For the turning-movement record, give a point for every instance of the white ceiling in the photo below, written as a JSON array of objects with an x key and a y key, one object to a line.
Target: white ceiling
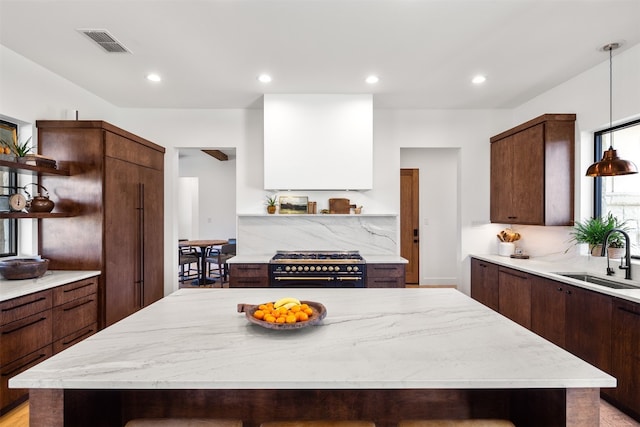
[{"x": 209, "y": 52}]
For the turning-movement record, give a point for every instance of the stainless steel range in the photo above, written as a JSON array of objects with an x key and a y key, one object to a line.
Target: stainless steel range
[{"x": 317, "y": 269}]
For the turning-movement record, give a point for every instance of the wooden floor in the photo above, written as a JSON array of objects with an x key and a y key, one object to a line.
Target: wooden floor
[{"x": 609, "y": 417}]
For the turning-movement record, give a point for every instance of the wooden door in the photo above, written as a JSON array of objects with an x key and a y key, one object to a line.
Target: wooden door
[
  {"x": 122, "y": 240},
  {"x": 152, "y": 256},
  {"x": 515, "y": 296},
  {"x": 501, "y": 181},
  {"x": 548, "y": 310},
  {"x": 484, "y": 283},
  {"x": 588, "y": 332},
  {"x": 625, "y": 354},
  {"x": 409, "y": 223},
  {"x": 527, "y": 191}
]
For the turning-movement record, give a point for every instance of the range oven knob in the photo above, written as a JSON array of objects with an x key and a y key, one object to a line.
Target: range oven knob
[
  {"x": 355, "y": 268},
  {"x": 330, "y": 268},
  {"x": 287, "y": 268},
  {"x": 349, "y": 268},
  {"x": 336, "y": 268},
  {"x": 299, "y": 268},
  {"x": 312, "y": 268},
  {"x": 324, "y": 268},
  {"x": 306, "y": 268}
]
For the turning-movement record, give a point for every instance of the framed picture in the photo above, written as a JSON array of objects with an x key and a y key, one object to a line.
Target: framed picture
[
  {"x": 293, "y": 204},
  {"x": 8, "y": 181}
]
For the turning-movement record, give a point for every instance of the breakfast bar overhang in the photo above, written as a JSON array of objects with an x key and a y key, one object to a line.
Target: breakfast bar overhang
[{"x": 380, "y": 354}]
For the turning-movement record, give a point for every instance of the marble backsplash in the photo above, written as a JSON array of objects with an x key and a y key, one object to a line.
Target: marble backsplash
[{"x": 369, "y": 234}]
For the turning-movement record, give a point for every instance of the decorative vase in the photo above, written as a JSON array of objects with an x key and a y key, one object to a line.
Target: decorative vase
[
  {"x": 506, "y": 248},
  {"x": 616, "y": 253},
  {"x": 271, "y": 209},
  {"x": 596, "y": 250}
]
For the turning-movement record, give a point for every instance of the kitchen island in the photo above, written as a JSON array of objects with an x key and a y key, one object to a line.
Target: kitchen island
[{"x": 380, "y": 354}]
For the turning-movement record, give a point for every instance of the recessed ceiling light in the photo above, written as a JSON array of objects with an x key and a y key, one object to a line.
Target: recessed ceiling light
[
  {"x": 478, "y": 79},
  {"x": 154, "y": 77},
  {"x": 372, "y": 79},
  {"x": 264, "y": 78}
]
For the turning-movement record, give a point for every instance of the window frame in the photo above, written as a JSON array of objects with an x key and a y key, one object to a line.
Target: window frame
[{"x": 597, "y": 156}]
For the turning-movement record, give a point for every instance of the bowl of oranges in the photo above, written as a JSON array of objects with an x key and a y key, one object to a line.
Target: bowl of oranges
[{"x": 286, "y": 313}]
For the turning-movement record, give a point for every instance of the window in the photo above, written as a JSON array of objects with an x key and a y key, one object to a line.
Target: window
[
  {"x": 8, "y": 185},
  {"x": 620, "y": 195}
]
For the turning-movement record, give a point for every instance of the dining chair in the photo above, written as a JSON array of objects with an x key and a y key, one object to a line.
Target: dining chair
[
  {"x": 216, "y": 259},
  {"x": 187, "y": 257}
]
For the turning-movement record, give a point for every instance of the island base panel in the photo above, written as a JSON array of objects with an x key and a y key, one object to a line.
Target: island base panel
[{"x": 106, "y": 408}]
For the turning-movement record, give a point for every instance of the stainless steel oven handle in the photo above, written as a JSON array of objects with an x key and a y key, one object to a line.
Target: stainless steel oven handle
[{"x": 326, "y": 279}]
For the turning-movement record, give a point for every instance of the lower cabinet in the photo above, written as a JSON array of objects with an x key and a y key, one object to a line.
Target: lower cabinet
[
  {"x": 484, "y": 283},
  {"x": 248, "y": 275},
  {"x": 385, "y": 276},
  {"x": 35, "y": 326},
  {"x": 514, "y": 295},
  {"x": 625, "y": 355}
]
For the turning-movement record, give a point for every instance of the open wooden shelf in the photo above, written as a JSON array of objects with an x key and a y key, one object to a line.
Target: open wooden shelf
[
  {"x": 8, "y": 166},
  {"x": 36, "y": 215}
]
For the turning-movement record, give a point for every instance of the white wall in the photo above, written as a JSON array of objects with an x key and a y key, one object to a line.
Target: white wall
[
  {"x": 188, "y": 214},
  {"x": 30, "y": 92}
]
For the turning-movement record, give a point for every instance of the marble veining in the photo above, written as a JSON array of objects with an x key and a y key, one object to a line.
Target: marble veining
[
  {"x": 371, "y": 338},
  {"x": 370, "y": 234}
]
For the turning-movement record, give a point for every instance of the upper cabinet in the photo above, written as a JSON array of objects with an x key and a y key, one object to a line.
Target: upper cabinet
[
  {"x": 532, "y": 172},
  {"x": 318, "y": 142}
]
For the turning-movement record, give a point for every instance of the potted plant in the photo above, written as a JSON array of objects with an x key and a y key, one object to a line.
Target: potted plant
[
  {"x": 272, "y": 202},
  {"x": 21, "y": 149},
  {"x": 593, "y": 231}
]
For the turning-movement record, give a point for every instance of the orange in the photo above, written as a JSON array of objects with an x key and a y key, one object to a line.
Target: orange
[
  {"x": 291, "y": 318},
  {"x": 280, "y": 320},
  {"x": 303, "y": 316},
  {"x": 308, "y": 311},
  {"x": 269, "y": 318},
  {"x": 295, "y": 308},
  {"x": 258, "y": 314}
]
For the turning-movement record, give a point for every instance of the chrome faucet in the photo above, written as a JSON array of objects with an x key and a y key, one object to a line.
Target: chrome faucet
[{"x": 626, "y": 265}]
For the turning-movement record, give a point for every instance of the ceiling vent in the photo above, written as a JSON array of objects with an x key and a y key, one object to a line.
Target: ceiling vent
[{"x": 105, "y": 40}]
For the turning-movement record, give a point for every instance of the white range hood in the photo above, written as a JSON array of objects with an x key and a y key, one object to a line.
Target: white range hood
[{"x": 318, "y": 142}]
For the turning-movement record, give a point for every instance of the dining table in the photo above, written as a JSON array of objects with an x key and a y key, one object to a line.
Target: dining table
[{"x": 202, "y": 244}]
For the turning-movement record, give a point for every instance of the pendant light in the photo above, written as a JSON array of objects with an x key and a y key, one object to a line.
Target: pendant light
[{"x": 611, "y": 164}]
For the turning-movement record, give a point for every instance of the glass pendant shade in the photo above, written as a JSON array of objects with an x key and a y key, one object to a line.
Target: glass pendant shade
[{"x": 612, "y": 165}]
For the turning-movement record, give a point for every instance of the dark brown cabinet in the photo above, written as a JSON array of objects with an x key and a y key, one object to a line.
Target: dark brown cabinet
[
  {"x": 514, "y": 295},
  {"x": 484, "y": 283},
  {"x": 116, "y": 190},
  {"x": 248, "y": 275},
  {"x": 532, "y": 168},
  {"x": 37, "y": 325},
  {"x": 385, "y": 276},
  {"x": 548, "y": 310},
  {"x": 625, "y": 355}
]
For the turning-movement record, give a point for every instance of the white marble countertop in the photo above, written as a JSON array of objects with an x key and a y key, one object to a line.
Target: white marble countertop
[
  {"x": 10, "y": 289},
  {"x": 579, "y": 264},
  {"x": 370, "y": 259},
  {"x": 370, "y": 339}
]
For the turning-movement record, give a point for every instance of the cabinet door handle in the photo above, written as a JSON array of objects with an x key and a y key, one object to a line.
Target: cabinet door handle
[
  {"x": 568, "y": 292},
  {"x": 23, "y": 304},
  {"x": 626, "y": 310},
  {"x": 30, "y": 362},
  {"x": 78, "y": 287},
  {"x": 78, "y": 305},
  {"x": 23, "y": 326},
  {"x": 559, "y": 289}
]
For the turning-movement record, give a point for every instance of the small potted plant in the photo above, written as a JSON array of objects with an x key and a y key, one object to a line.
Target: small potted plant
[
  {"x": 593, "y": 231},
  {"x": 272, "y": 202}
]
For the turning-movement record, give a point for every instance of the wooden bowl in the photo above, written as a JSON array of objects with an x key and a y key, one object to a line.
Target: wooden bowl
[
  {"x": 28, "y": 268},
  {"x": 319, "y": 313}
]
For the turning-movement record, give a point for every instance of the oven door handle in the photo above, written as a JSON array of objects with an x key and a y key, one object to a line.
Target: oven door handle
[
  {"x": 345, "y": 279},
  {"x": 326, "y": 279}
]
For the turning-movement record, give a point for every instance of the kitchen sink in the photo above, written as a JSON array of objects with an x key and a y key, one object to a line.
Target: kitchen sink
[{"x": 586, "y": 277}]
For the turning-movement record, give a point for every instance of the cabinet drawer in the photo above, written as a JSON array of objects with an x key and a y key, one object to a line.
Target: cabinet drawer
[
  {"x": 74, "y": 338},
  {"x": 248, "y": 275},
  {"x": 385, "y": 270},
  {"x": 21, "y": 307},
  {"x": 385, "y": 282},
  {"x": 74, "y": 315},
  {"x": 13, "y": 396},
  {"x": 24, "y": 336},
  {"x": 69, "y": 292}
]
